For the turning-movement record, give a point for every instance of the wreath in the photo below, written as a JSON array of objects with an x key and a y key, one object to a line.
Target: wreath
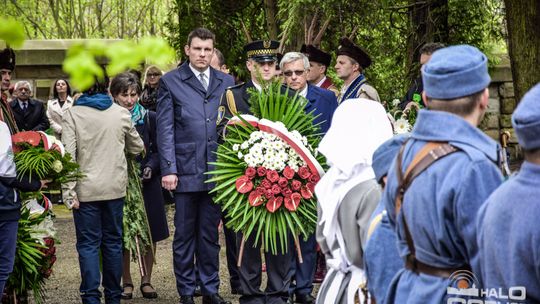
[{"x": 267, "y": 168}]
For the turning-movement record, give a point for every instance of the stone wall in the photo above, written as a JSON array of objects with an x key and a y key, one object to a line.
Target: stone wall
[
  {"x": 40, "y": 63},
  {"x": 502, "y": 103}
]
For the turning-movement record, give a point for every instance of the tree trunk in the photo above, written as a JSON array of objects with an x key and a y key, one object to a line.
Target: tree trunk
[
  {"x": 523, "y": 18},
  {"x": 271, "y": 22}
]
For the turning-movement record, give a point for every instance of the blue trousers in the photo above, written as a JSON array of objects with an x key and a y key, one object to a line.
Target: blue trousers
[
  {"x": 305, "y": 272},
  {"x": 98, "y": 226},
  {"x": 8, "y": 242},
  {"x": 196, "y": 223}
]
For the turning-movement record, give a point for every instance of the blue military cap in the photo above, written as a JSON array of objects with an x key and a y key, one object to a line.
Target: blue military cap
[
  {"x": 454, "y": 72},
  {"x": 385, "y": 154},
  {"x": 526, "y": 119},
  {"x": 262, "y": 50}
]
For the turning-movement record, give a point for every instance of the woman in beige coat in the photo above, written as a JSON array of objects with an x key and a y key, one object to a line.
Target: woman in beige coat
[{"x": 57, "y": 106}]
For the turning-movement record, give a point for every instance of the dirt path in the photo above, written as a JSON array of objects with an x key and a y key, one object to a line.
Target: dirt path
[{"x": 63, "y": 285}]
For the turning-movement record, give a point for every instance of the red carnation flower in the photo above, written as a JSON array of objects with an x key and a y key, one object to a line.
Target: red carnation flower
[
  {"x": 304, "y": 172},
  {"x": 272, "y": 175},
  {"x": 311, "y": 187},
  {"x": 292, "y": 202},
  {"x": 243, "y": 184},
  {"x": 314, "y": 178},
  {"x": 274, "y": 203},
  {"x": 269, "y": 193},
  {"x": 288, "y": 172},
  {"x": 276, "y": 189},
  {"x": 260, "y": 190},
  {"x": 52, "y": 261},
  {"x": 47, "y": 273},
  {"x": 286, "y": 191},
  {"x": 306, "y": 193},
  {"x": 296, "y": 184},
  {"x": 266, "y": 183},
  {"x": 261, "y": 171},
  {"x": 251, "y": 172},
  {"x": 255, "y": 199},
  {"x": 283, "y": 182}
]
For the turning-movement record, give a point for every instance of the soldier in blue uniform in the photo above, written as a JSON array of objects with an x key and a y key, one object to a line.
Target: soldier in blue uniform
[
  {"x": 261, "y": 63},
  {"x": 435, "y": 221},
  {"x": 380, "y": 255},
  {"x": 508, "y": 238},
  {"x": 187, "y": 109}
]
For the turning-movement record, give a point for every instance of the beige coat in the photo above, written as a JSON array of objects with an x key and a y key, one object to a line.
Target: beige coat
[
  {"x": 98, "y": 141},
  {"x": 368, "y": 92},
  {"x": 55, "y": 113}
]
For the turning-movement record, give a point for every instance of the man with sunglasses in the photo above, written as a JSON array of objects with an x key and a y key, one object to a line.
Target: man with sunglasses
[{"x": 322, "y": 103}]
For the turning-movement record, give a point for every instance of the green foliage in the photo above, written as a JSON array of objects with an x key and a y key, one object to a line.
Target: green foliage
[
  {"x": 28, "y": 259},
  {"x": 83, "y": 68},
  {"x": 12, "y": 32},
  {"x": 276, "y": 105},
  {"x": 136, "y": 231}
]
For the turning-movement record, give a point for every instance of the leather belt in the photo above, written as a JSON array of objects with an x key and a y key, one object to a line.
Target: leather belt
[{"x": 416, "y": 266}]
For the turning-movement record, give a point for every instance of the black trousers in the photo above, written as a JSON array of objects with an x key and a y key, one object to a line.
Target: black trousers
[{"x": 278, "y": 270}]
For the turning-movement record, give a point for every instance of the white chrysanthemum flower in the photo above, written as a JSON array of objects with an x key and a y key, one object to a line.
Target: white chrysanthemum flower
[
  {"x": 401, "y": 126},
  {"x": 244, "y": 145},
  {"x": 236, "y": 147},
  {"x": 240, "y": 155},
  {"x": 395, "y": 102}
]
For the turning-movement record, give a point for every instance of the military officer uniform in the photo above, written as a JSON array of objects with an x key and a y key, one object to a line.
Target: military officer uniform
[
  {"x": 236, "y": 100},
  {"x": 358, "y": 88},
  {"x": 508, "y": 239}
]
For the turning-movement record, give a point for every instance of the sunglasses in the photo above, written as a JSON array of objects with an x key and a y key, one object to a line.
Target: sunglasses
[
  {"x": 153, "y": 74},
  {"x": 297, "y": 73}
]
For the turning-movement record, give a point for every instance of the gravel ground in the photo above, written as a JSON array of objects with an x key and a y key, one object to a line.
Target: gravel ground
[{"x": 63, "y": 285}]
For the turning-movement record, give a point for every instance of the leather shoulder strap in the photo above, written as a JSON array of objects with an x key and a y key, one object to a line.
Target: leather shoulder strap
[
  {"x": 429, "y": 154},
  {"x": 231, "y": 103}
]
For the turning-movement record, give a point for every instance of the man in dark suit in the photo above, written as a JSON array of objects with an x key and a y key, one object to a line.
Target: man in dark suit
[
  {"x": 261, "y": 63},
  {"x": 188, "y": 99},
  {"x": 322, "y": 103},
  {"x": 29, "y": 113},
  {"x": 319, "y": 61}
]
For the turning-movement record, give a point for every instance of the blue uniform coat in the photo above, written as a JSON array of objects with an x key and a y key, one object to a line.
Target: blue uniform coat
[
  {"x": 323, "y": 103},
  {"x": 508, "y": 238},
  {"x": 186, "y": 127},
  {"x": 441, "y": 204}
]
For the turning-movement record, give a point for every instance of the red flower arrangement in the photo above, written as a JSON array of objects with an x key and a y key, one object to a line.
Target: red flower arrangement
[{"x": 277, "y": 188}]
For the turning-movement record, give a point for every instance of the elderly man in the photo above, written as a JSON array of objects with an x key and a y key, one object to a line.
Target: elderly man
[
  {"x": 351, "y": 62},
  {"x": 507, "y": 232},
  {"x": 323, "y": 103},
  {"x": 29, "y": 113},
  {"x": 441, "y": 177},
  {"x": 7, "y": 65},
  {"x": 319, "y": 61},
  {"x": 187, "y": 109},
  {"x": 218, "y": 61}
]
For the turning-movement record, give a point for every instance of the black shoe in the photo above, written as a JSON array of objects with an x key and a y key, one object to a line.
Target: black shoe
[
  {"x": 305, "y": 299},
  {"x": 127, "y": 295},
  {"x": 290, "y": 300},
  {"x": 214, "y": 299},
  {"x": 186, "y": 300},
  {"x": 197, "y": 292},
  {"x": 150, "y": 294},
  {"x": 236, "y": 290}
]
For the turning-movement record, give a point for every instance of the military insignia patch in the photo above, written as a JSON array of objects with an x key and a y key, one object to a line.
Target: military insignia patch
[{"x": 220, "y": 114}]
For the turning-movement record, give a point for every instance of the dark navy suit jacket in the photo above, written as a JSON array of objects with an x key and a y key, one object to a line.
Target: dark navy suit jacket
[
  {"x": 186, "y": 125},
  {"x": 323, "y": 102}
]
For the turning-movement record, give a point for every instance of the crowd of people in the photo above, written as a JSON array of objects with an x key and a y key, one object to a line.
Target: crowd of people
[{"x": 400, "y": 218}]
